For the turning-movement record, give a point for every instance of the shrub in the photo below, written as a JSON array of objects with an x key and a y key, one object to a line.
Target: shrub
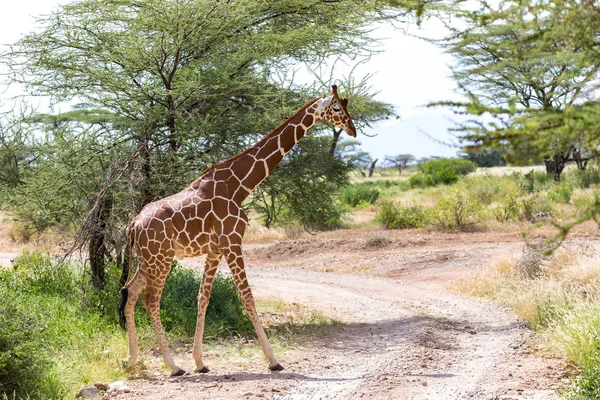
[
  {"x": 508, "y": 208},
  {"x": 455, "y": 165},
  {"x": 457, "y": 211},
  {"x": 359, "y": 194},
  {"x": 25, "y": 363},
  {"x": 391, "y": 216},
  {"x": 419, "y": 180},
  {"x": 179, "y": 305},
  {"x": 441, "y": 171},
  {"x": 54, "y": 335},
  {"x": 586, "y": 178},
  {"x": 561, "y": 193}
]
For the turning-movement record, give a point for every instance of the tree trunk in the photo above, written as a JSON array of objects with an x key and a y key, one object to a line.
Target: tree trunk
[
  {"x": 97, "y": 246},
  {"x": 334, "y": 141},
  {"x": 372, "y": 167}
]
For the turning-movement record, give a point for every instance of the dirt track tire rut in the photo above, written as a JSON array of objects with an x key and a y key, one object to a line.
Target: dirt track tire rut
[{"x": 404, "y": 340}]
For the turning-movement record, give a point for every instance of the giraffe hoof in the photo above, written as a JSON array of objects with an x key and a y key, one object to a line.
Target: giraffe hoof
[
  {"x": 202, "y": 370},
  {"x": 276, "y": 367},
  {"x": 179, "y": 372}
]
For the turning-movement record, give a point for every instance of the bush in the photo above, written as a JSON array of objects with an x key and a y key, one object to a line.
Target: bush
[
  {"x": 561, "y": 193},
  {"x": 419, "y": 180},
  {"x": 508, "y": 208},
  {"x": 25, "y": 363},
  {"x": 55, "y": 336},
  {"x": 225, "y": 314},
  {"x": 586, "y": 178},
  {"x": 457, "y": 211},
  {"x": 442, "y": 171},
  {"x": 458, "y": 166},
  {"x": 359, "y": 194},
  {"x": 391, "y": 216}
]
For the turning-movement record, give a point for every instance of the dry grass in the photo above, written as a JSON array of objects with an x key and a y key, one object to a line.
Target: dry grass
[
  {"x": 507, "y": 170},
  {"x": 16, "y": 237},
  {"x": 562, "y": 304},
  {"x": 257, "y": 233}
]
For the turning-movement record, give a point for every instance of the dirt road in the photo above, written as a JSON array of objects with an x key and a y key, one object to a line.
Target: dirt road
[{"x": 404, "y": 335}]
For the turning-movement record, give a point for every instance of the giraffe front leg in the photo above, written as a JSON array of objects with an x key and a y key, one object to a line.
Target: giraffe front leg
[
  {"x": 210, "y": 269},
  {"x": 236, "y": 264},
  {"x": 151, "y": 302}
]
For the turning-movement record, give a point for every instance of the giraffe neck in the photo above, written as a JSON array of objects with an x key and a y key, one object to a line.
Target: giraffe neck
[{"x": 253, "y": 165}]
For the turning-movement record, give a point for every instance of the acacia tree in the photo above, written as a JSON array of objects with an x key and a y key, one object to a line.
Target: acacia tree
[
  {"x": 176, "y": 85},
  {"x": 400, "y": 161},
  {"x": 515, "y": 63}
]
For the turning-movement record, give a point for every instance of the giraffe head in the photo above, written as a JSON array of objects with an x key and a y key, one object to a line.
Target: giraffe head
[{"x": 334, "y": 110}]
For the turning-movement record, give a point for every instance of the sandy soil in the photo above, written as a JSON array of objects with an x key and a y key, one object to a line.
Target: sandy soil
[{"x": 404, "y": 334}]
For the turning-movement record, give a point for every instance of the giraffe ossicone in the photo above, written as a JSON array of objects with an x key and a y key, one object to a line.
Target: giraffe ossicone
[{"x": 207, "y": 218}]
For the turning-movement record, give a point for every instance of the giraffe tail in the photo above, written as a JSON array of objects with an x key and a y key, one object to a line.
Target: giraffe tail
[{"x": 124, "y": 292}]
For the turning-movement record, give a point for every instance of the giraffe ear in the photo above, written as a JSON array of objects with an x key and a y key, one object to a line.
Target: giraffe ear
[{"x": 344, "y": 102}]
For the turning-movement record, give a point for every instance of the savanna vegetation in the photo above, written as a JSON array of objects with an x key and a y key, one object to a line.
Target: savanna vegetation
[
  {"x": 160, "y": 94},
  {"x": 159, "y": 90}
]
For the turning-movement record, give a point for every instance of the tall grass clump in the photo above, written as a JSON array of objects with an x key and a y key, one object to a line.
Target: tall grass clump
[
  {"x": 561, "y": 193},
  {"x": 359, "y": 194},
  {"x": 562, "y": 303},
  {"x": 57, "y": 334},
  {"x": 457, "y": 211},
  {"x": 395, "y": 216}
]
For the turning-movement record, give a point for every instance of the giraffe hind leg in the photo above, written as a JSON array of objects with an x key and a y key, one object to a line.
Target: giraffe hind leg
[
  {"x": 210, "y": 269},
  {"x": 130, "y": 294},
  {"x": 151, "y": 302}
]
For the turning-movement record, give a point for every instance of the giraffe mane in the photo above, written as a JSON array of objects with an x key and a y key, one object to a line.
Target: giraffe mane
[{"x": 261, "y": 141}]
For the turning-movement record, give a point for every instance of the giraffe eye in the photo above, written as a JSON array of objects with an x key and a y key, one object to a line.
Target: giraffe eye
[{"x": 335, "y": 109}]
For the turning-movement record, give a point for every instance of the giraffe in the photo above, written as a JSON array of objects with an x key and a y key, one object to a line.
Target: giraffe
[{"x": 207, "y": 218}]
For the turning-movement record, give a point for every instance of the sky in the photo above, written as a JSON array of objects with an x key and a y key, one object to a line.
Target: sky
[{"x": 408, "y": 73}]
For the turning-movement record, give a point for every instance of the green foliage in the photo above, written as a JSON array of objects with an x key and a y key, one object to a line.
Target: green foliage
[
  {"x": 508, "y": 209},
  {"x": 458, "y": 211},
  {"x": 25, "y": 365},
  {"x": 587, "y": 385},
  {"x": 394, "y": 216},
  {"x": 484, "y": 158},
  {"x": 301, "y": 190},
  {"x": 586, "y": 178},
  {"x": 561, "y": 193},
  {"x": 442, "y": 171},
  {"x": 359, "y": 193},
  {"x": 54, "y": 335},
  {"x": 225, "y": 314},
  {"x": 41, "y": 320},
  {"x": 419, "y": 180},
  {"x": 458, "y": 166}
]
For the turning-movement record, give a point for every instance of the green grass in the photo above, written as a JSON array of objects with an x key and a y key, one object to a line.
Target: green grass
[
  {"x": 482, "y": 199},
  {"x": 57, "y": 334}
]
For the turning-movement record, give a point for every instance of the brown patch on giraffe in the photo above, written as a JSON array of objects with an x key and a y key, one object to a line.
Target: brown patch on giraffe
[
  {"x": 308, "y": 120},
  {"x": 222, "y": 189},
  {"x": 241, "y": 166},
  {"x": 222, "y": 175},
  {"x": 269, "y": 148},
  {"x": 287, "y": 138}
]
